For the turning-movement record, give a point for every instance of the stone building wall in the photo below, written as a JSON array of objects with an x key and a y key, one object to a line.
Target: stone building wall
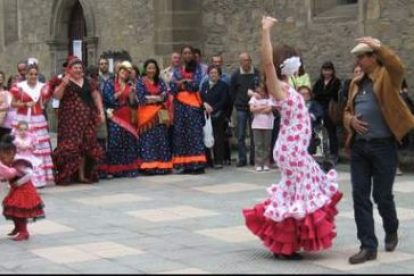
[
  {"x": 234, "y": 26},
  {"x": 33, "y": 31},
  {"x": 126, "y": 24},
  {"x": 394, "y": 25},
  {"x": 154, "y": 28},
  {"x": 320, "y": 29}
]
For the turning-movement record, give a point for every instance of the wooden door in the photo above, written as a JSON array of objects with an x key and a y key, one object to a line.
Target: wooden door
[{"x": 77, "y": 30}]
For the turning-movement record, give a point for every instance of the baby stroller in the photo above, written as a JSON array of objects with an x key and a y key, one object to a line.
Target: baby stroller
[{"x": 320, "y": 139}]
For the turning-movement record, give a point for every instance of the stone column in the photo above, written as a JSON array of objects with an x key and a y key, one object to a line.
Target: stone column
[
  {"x": 177, "y": 23},
  {"x": 2, "y": 27},
  {"x": 163, "y": 26},
  {"x": 92, "y": 49},
  {"x": 58, "y": 54},
  {"x": 373, "y": 9},
  {"x": 187, "y": 23}
]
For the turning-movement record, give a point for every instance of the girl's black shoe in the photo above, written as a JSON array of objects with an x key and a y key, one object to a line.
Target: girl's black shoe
[{"x": 293, "y": 257}]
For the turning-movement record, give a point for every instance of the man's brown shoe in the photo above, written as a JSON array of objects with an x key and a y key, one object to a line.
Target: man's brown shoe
[
  {"x": 363, "y": 256},
  {"x": 391, "y": 242}
]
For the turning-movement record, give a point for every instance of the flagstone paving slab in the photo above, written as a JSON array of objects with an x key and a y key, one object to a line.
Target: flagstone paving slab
[{"x": 183, "y": 224}]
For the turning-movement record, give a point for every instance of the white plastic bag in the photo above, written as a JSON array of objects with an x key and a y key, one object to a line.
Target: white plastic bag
[{"x": 208, "y": 133}]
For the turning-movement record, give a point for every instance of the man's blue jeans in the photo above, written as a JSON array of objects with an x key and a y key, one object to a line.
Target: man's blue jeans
[
  {"x": 244, "y": 118},
  {"x": 373, "y": 167}
]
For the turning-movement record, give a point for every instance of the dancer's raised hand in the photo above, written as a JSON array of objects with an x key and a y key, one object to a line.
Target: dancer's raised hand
[
  {"x": 268, "y": 22},
  {"x": 370, "y": 41}
]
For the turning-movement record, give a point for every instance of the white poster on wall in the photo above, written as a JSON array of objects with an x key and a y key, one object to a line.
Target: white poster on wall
[{"x": 77, "y": 48}]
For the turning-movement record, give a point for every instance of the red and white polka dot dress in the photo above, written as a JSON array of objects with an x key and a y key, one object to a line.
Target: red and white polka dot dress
[{"x": 300, "y": 209}]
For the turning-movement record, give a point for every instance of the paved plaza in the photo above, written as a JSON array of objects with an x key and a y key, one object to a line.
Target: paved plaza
[{"x": 181, "y": 224}]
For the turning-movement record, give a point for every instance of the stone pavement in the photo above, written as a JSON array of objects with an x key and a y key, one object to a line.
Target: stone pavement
[{"x": 182, "y": 224}]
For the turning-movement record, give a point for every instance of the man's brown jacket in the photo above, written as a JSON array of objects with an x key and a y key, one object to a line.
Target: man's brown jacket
[{"x": 387, "y": 81}]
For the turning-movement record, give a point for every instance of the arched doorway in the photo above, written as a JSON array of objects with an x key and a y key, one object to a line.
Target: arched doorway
[
  {"x": 77, "y": 32},
  {"x": 72, "y": 20}
]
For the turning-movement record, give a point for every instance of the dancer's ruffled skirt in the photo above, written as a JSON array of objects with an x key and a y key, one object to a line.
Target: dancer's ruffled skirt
[{"x": 314, "y": 232}]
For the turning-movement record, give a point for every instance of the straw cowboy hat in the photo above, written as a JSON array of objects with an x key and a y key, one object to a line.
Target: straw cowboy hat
[
  {"x": 125, "y": 65},
  {"x": 361, "y": 48}
]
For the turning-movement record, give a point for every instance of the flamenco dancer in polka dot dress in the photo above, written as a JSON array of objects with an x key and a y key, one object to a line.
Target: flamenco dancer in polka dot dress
[{"x": 299, "y": 213}]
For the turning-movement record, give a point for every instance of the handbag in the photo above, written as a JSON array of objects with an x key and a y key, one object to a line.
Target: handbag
[
  {"x": 208, "y": 133},
  {"x": 164, "y": 117}
]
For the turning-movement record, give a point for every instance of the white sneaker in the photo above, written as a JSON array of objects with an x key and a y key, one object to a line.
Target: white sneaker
[
  {"x": 259, "y": 169},
  {"x": 266, "y": 168}
]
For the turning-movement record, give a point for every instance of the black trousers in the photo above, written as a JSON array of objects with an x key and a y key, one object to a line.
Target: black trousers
[
  {"x": 333, "y": 135},
  {"x": 227, "y": 141},
  {"x": 275, "y": 135},
  {"x": 4, "y": 131},
  {"x": 373, "y": 167},
  {"x": 244, "y": 121}
]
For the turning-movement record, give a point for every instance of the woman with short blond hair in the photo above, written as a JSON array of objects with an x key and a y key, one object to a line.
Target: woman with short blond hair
[{"x": 121, "y": 156}]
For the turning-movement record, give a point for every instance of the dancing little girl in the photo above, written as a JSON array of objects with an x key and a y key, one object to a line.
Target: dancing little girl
[{"x": 22, "y": 202}]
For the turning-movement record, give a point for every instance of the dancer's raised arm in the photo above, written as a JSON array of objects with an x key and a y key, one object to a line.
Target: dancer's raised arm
[{"x": 274, "y": 85}]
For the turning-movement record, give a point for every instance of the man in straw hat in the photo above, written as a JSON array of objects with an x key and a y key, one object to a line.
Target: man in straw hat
[{"x": 376, "y": 118}]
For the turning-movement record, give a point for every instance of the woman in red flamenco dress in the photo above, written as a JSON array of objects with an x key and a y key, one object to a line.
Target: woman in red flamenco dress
[
  {"x": 23, "y": 203},
  {"x": 78, "y": 153},
  {"x": 299, "y": 213}
]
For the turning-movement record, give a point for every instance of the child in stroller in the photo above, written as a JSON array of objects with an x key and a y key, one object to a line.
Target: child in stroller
[{"x": 319, "y": 144}]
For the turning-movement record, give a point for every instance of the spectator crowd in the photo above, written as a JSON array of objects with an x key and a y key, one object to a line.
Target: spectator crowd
[{"x": 152, "y": 120}]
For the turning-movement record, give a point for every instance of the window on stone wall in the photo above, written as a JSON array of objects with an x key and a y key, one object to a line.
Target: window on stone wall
[
  {"x": 11, "y": 22},
  {"x": 347, "y": 2},
  {"x": 332, "y": 8}
]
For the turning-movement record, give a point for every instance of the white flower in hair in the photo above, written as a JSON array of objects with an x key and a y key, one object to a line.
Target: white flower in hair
[
  {"x": 290, "y": 66},
  {"x": 110, "y": 113},
  {"x": 32, "y": 61}
]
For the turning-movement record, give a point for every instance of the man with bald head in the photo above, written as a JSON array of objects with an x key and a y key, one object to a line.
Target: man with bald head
[
  {"x": 167, "y": 73},
  {"x": 243, "y": 79}
]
